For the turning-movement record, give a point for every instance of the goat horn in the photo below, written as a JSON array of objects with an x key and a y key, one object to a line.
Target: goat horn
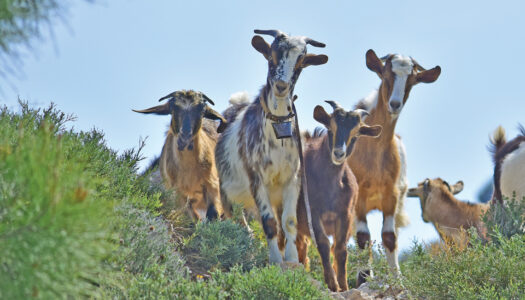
[
  {"x": 385, "y": 57},
  {"x": 334, "y": 104},
  {"x": 273, "y": 32},
  {"x": 417, "y": 65},
  {"x": 172, "y": 95},
  {"x": 314, "y": 42},
  {"x": 206, "y": 98},
  {"x": 362, "y": 113},
  {"x": 294, "y": 98}
]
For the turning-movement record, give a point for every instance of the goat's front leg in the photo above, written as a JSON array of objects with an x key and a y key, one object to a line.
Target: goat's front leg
[
  {"x": 269, "y": 222},
  {"x": 211, "y": 194},
  {"x": 388, "y": 233},
  {"x": 289, "y": 219}
]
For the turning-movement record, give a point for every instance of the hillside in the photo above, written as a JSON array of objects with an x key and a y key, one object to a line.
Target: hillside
[{"x": 78, "y": 221}]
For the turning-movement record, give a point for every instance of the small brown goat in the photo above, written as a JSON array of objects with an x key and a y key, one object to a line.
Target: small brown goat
[
  {"x": 449, "y": 215},
  {"x": 332, "y": 189},
  {"x": 187, "y": 162}
]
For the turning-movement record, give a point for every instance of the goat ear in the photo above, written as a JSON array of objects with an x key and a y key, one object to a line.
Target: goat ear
[
  {"x": 413, "y": 192},
  {"x": 213, "y": 115},
  {"x": 373, "y": 131},
  {"x": 262, "y": 46},
  {"x": 314, "y": 60},
  {"x": 429, "y": 76},
  {"x": 456, "y": 188},
  {"x": 374, "y": 63},
  {"x": 321, "y": 116},
  {"x": 163, "y": 109}
]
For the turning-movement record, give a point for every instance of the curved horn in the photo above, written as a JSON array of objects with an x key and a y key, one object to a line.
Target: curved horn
[
  {"x": 362, "y": 113},
  {"x": 172, "y": 95},
  {"x": 314, "y": 42},
  {"x": 273, "y": 32},
  {"x": 334, "y": 104},
  {"x": 206, "y": 98},
  {"x": 385, "y": 57},
  {"x": 417, "y": 65}
]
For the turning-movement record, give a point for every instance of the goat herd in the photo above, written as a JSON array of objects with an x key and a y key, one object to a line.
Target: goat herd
[{"x": 312, "y": 185}]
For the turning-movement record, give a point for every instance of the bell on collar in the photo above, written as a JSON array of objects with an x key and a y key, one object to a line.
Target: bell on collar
[{"x": 282, "y": 129}]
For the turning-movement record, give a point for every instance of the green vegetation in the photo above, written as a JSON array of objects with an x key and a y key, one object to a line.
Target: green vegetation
[{"x": 77, "y": 221}]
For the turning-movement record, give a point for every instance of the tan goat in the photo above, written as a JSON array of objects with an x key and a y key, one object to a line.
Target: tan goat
[
  {"x": 187, "y": 162},
  {"x": 449, "y": 215},
  {"x": 378, "y": 164}
]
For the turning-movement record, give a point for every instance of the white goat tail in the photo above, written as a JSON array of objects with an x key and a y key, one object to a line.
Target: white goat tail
[{"x": 239, "y": 98}]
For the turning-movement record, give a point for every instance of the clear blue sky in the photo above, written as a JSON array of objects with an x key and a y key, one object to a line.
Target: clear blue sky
[{"x": 118, "y": 55}]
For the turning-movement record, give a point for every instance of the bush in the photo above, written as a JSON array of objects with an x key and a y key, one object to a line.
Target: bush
[
  {"x": 507, "y": 218},
  {"x": 495, "y": 270},
  {"x": 53, "y": 224},
  {"x": 220, "y": 245},
  {"x": 268, "y": 283}
]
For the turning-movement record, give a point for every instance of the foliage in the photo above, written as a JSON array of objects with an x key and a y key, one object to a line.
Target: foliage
[
  {"x": 495, "y": 270},
  {"x": 222, "y": 245},
  {"x": 507, "y": 218},
  {"x": 53, "y": 222}
]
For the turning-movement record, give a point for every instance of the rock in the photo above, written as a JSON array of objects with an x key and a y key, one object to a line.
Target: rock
[{"x": 353, "y": 294}]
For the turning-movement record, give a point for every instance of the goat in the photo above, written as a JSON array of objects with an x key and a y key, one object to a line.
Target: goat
[
  {"x": 448, "y": 215},
  {"x": 509, "y": 165},
  {"x": 257, "y": 155},
  {"x": 187, "y": 162},
  {"x": 332, "y": 189},
  {"x": 377, "y": 163}
]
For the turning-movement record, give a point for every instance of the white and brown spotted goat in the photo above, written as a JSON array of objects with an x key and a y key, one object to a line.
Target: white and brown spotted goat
[
  {"x": 378, "y": 163},
  {"x": 332, "y": 189},
  {"x": 257, "y": 155},
  {"x": 449, "y": 215},
  {"x": 509, "y": 165},
  {"x": 187, "y": 162}
]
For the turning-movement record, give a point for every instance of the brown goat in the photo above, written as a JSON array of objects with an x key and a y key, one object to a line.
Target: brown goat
[
  {"x": 332, "y": 189},
  {"x": 377, "y": 163},
  {"x": 449, "y": 215},
  {"x": 187, "y": 162}
]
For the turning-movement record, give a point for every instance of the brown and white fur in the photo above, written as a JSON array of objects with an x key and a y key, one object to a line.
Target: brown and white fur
[
  {"x": 187, "y": 162},
  {"x": 256, "y": 168},
  {"x": 332, "y": 189},
  {"x": 509, "y": 165},
  {"x": 449, "y": 215},
  {"x": 377, "y": 163}
]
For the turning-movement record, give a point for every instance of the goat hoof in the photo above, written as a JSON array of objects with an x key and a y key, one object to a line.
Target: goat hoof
[{"x": 362, "y": 276}]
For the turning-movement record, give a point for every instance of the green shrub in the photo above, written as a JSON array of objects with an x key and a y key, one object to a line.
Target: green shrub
[
  {"x": 53, "y": 225},
  {"x": 507, "y": 218},
  {"x": 220, "y": 245},
  {"x": 268, "y": 283},
  {"x": 495, "y": 270}
]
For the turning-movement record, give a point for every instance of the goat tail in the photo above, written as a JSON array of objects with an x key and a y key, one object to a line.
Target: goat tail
[
  {"x": 239, "y": 98},
  {"x": 497, "y": 140}
]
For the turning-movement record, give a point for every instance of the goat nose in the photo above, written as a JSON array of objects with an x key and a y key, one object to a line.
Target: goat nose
[
  {"x": 395, "y": 104},
  {"x": 281, "y": 86},
  {"x": 338, "y": 153},
  {"x": 185, "y": 135}
]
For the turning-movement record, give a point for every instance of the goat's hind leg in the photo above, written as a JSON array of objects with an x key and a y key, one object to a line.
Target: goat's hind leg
[{"x": 363, "y": 242}]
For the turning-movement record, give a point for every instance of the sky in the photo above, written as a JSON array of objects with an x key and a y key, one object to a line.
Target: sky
[{"x": 112, "y": 56}]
